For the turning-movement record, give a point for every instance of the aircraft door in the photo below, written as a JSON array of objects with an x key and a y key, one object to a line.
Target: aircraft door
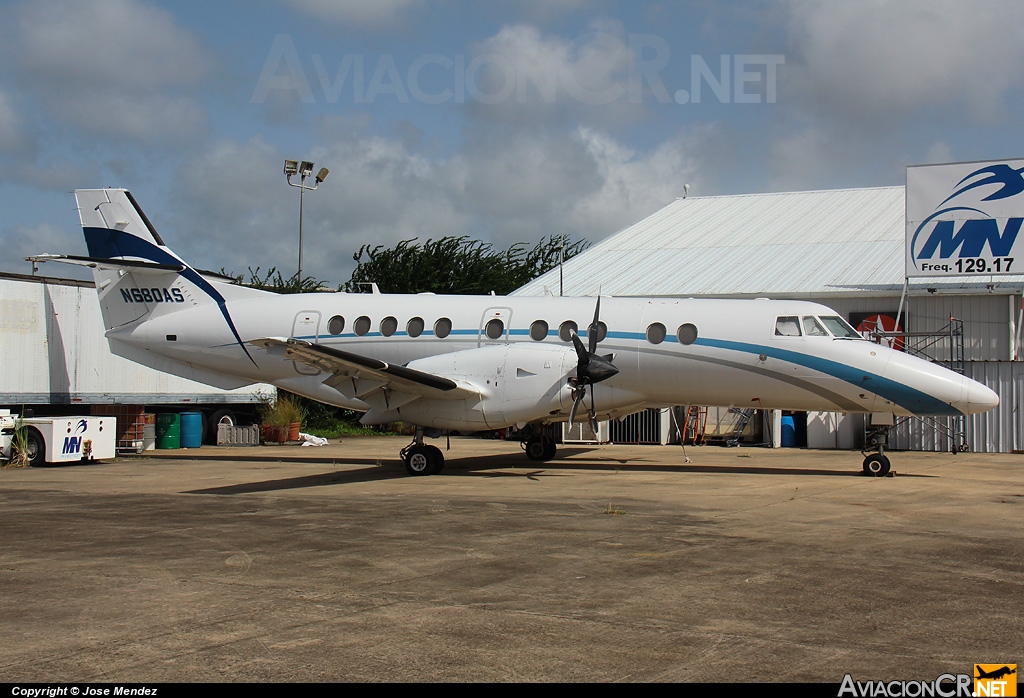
[
  {"x": 494, "y": 326},
  {"x": 306, "y": 327}
]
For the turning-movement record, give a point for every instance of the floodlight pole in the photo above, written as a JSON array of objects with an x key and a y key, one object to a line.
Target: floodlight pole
[
  {"x": 304, "y": 170},
  {"x": 302, "y": 191}
]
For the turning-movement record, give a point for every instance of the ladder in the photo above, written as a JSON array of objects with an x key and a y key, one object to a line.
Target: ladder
[{"x": 741, "y": 424}]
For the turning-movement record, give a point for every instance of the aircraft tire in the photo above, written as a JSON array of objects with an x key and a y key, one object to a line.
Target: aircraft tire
[
  {"x": 876, "y": 465},
  {"x": 421, "y": 460},
  {"x": 438, "y": 459},
  {"x": 537, "y": 450},
  {"x": 549, "y": 450},
  {"x": 35, "y": 448}
]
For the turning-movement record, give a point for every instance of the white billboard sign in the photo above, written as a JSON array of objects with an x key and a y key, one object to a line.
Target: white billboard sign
[{"x": 963, "y": 219}]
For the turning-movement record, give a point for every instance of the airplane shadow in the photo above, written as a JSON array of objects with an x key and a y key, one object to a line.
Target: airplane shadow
[{"x": 493, "y": 466}]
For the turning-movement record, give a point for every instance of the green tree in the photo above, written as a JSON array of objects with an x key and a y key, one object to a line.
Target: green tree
[
  {"x": 456, "y": 265},
  {"x": 274, "y": 281}
]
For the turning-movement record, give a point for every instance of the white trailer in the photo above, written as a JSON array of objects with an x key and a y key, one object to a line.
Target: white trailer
[
  {"x": 58, "y": 439},
  {"x": 55, "y": 361}
]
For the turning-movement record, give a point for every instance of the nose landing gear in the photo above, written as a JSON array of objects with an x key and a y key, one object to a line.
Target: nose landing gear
[
  {"x": 877, "y": 464},
  {"x": 539, "y": 442}
]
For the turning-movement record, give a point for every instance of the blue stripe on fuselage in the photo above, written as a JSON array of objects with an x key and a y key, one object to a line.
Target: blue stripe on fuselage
[
  {"x": 903, "y": 395},
  {"x": 909, "y": 398}
]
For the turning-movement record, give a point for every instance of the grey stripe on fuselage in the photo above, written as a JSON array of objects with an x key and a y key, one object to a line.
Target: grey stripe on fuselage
[{"x": 841, "y": 402}]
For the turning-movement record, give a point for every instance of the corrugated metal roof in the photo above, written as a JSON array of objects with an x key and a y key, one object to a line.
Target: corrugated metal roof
[{"x": 811, "y": 243}]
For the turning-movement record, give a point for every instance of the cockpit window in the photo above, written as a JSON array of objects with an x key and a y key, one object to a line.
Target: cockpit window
[
  {"x": 813, "y": 328},
  {"x": 787, "y": 326},
  {"x": 840, "y": 327}
]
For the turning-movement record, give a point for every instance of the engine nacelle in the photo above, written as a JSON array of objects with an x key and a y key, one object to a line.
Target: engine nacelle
[{"x": 519, "y": 383}]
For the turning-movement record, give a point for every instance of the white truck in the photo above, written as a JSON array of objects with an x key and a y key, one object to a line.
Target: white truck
[
  {"x": 55, "y": 362},
  {"x": 57, "y": 439}
]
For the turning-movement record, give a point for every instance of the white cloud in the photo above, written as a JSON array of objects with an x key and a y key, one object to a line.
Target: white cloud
[
  {"x": 802, "y": 160},
  {"x": 633, "y": 185},
  {"x": 543, "y": 9},
  {"x": 12, "y": 137},
  {"x": 115, "y": 67},
  {"x": 585, "y": 184},
  {"x": 377, "y": 192},
  {"x": 359, "y": 13},
  {"x": 885, "y": 58},
  {"x": 524, "y": 76},
  {"x": 938, "y": 152},
  {"x": 21, "y": 241}
]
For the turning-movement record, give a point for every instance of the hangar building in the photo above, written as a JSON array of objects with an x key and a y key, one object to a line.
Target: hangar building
[{"x": 843, "y": 248}]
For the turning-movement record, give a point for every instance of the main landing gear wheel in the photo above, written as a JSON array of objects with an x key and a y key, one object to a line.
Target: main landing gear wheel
[
  {"x": 540, "y": 449},
  {"x": 876, "y": 465},
  {"x": 423, "y": 460}
]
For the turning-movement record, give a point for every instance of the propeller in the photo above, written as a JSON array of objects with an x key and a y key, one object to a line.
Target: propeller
[{"x": 590, "y": 368}]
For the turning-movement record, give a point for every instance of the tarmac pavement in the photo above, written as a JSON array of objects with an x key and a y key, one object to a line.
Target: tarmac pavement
[{"x": 610, "y": 563}]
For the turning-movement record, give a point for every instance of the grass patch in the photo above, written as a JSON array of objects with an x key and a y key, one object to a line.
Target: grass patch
[{"x": 329, "y": 422}]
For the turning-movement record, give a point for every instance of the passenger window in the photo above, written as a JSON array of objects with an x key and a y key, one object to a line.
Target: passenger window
[
  {"x": 362, "y": 325},
  {"x": 813, "y": 328},
  {"x": 336, "y": 325},
  {"x": 656, "y": 333},
  {"x": 538, "y": 330},
  {"x": 602, "y": 331},
  {"x": 787, "y": 326},
  {"x": 415, "y": 327},
  {"x": 687, "y": 334},
  {"x": 566, "y": 329},
  {"x": 442, "y": 328},
  {"x": 388, "y": 326},
  {"x": 494, "y": 328}
]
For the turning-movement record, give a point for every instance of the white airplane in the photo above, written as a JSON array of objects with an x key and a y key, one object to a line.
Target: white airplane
[{"x": 471, "y": 363}]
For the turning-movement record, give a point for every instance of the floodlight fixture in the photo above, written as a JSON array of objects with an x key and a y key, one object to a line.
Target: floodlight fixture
[{"x": 304, "y": 169}]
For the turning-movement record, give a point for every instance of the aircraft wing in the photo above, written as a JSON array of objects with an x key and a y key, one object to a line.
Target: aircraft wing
[{"x": 362, "y": 377}]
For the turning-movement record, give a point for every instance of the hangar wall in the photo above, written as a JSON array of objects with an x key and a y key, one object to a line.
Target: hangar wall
[
  {"x": 842, "y": 248},
  {"x": 989, "y": 319}
]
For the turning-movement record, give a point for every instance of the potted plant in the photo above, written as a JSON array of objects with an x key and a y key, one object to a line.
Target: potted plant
[{"x": 281, "y": 420}]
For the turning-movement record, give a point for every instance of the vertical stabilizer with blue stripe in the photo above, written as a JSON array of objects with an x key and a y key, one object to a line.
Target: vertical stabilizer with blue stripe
[{"x": 117, "y": 230}]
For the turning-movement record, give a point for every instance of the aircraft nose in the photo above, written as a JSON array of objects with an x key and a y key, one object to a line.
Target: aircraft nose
[{"x": 979, "y": 398}]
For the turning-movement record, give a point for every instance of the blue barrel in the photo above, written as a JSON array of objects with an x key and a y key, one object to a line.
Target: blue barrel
[
  {"x": 191, "y": 429},
  {"x": 788, "y": 432}
]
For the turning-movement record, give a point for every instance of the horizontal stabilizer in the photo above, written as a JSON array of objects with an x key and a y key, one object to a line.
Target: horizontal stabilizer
[{"x": 104, "y": 263}]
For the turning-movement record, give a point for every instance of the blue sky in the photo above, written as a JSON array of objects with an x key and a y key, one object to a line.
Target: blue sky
[{"x": 505, "y": 121}]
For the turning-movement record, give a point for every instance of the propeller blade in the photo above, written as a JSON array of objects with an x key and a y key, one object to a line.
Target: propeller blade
[
  {"x": 581, "y": 351},
  {"x": 581, "y": 393},
  {"x": 593, "y": 413},
  {"x": 590, "y": 368}
]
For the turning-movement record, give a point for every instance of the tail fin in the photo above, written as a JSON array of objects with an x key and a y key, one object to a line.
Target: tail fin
[
  {"x": 116, "y": 228},
  {"x": 137, "y": 276}
]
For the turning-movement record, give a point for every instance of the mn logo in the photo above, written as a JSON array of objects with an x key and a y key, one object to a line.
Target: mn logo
[{"x": 995, "y": 680}]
